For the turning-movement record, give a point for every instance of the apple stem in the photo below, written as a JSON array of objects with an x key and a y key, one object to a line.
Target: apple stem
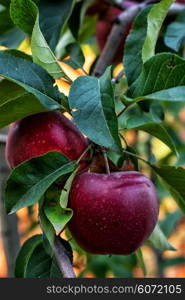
[
  {"x": 63, "y": 260},
  {"x": 106, "y": 160}
]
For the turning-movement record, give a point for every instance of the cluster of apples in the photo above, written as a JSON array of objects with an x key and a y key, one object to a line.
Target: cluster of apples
[{"x": 113, "y": 213}]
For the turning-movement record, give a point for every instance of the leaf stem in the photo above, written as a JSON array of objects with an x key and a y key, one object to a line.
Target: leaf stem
[
  {"x": 85, "y": 151},
  {"x": 137, "y": 156}
]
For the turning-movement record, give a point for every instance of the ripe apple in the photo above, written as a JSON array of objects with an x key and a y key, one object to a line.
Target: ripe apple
[
  {"x": 41, "y": 133},
  {"x": 113, "y": 213}
]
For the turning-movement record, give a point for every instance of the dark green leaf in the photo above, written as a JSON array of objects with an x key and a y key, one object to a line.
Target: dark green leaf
[
  {"x": 5, "y": 21},
  {"x": 75, "y": 19},
  {"x": 175, "y": 34},
  {"x": 31, "y": 77},
  {"x": 24, "y": 255},
  {"x": 174, "y": 178},
  {"x": 16, "y": 103},
  {"x": 23, "y": 14},
  {"x": 76, "y": 56},
  {"x": 162, "y": 78},
  {"x": 41, "y": 265},
  {"x": 133, "y": 47},
  {"x": 33, "y": 262},
  {"x": 155, "y": 20},
  {"x": 153, "y": 129},
  {"x": 53, "y": 17},
  {"x": 92, "y": 101},
  {"x": 30, "y": 180},
  {"x": 12, "y": 38},
  {"x": 5, "y": 2}
]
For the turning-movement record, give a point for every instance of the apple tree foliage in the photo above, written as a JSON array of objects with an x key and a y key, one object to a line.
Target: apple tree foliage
[{"x": 154, "y": 85}]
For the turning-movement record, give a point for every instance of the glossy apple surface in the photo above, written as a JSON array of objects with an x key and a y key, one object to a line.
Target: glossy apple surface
[
  {"x": 113, "y": 214},
  {"x": 41, "y": 133}
]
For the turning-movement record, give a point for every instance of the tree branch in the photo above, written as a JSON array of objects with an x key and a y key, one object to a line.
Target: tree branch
[
  {"x": 113, "y": 42},
  {"x": 63, "y": 260},
  {"x": 117, "y": 32}
]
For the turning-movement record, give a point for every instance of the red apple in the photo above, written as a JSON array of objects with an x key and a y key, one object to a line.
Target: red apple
[
  {"x": 113, "y": 214},
  {"x": 41, "y": 133}
]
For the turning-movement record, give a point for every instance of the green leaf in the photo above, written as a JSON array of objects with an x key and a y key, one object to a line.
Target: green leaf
[
  {"x": 5, "y": 2},
  {"x": 31, "y": 77},
  {"x": 12, "y": 38},
  {"x": 41, "y": 265},
  {"x": 16, "y": 103},
  {"x": 6, "y": 23},
  {"x": 42, "y": 54},
  {"x": 76, "y": 56},
  {"x": 30, "y": 180},
  {"x": 169, "y": 224},
  {"x": 47, "y": 228},
  {"x": 133, "y": 47},
  {"x": 23, "y": 14},
  {"x": 141, "y": 262},
  {"x": 159, "y": 241},
  {"x": 24, "y": 255},
  {"x": 57, "y": 211},
  {"x": 174, "y": 37},
  {"x": 92, "y": 101},
  {"x": 154, "y": 129},
  {"x": 160, "y": 78},
  {"x": 174, "y": 179},
  {"x": 53, "y": 17},
  {"x": 75, "y": 19},
  {"x": 155, "y": 20},
  {"x": 33, "y": 262}
]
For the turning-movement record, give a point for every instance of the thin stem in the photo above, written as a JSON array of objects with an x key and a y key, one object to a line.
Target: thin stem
[
  {"x": 85, "y": 151},
  {"x": 63, "y": 260},
  {"x": 118, "y": 77},
  {"x": 137, "y": 156},
  {"x": 122, "y": 111},
  {"x": 123, "y": 138},
  {"x": 106, "y": 160}
]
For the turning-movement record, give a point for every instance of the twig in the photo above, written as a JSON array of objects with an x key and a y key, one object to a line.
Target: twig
[
  {"x": 118, "y": 30},
  {"x": 117, "y": 77},
  {"x": 63, "y": 260},
  {"x": 137, "y": 156}
]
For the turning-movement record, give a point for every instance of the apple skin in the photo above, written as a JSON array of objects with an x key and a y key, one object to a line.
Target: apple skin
[
  {"x": 112, "y": 214},
  {"x": 40, "y": 133}
]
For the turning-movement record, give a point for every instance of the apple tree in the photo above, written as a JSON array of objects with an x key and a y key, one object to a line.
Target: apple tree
[{"x": 77, "y": 76}]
